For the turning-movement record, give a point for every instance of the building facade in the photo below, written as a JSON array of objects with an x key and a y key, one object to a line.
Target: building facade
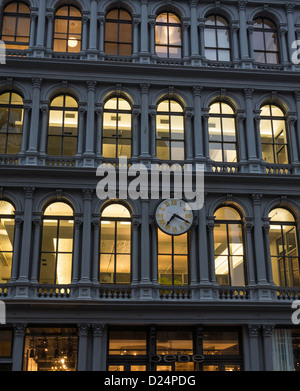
[{"x": 94, "y": 284}]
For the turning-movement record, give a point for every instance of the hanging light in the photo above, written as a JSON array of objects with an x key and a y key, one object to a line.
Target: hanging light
[{"x": 72, "y": 42}]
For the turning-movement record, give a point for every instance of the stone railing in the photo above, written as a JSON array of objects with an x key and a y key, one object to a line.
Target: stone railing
[
  {"x": 288, "y": 294},
  {"x": 232, "y": 294}
]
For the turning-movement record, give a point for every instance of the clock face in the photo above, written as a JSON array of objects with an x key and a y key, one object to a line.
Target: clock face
[{"x": 174, "y": 217}]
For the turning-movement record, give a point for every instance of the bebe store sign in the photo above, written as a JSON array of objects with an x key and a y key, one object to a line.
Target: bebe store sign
[{"x": 182, "y": 358}]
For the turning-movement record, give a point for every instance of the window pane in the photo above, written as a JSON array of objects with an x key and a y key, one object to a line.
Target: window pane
[
  {"x": 5, "y": 343},
  {"x": 70, "y": 146},
  {"x": 165, "y": 269},
  {"x": 228, "y": 129},
  {"x": 177, "y": 150},
  {"x": 220, "y": 239},
  {"x": 220, "y": 343},
  {"x": 125, "y": 50},
  {"x": 180, "y": 270},
  {"x": 210, "y": 38},
  {"x": 162, "y": 150},
  {"x": 123, "y": 269},
  {"x": 221, "y": 270},
  {"x": 64, "y": 269},
  {"x": 107, "y": 237},
  {"x": 223, "y": 39},
  {"x": 13, "y": 144},
  {"x": 271, "y": 42},
  {"x": 214, "y": 126},
  {"x": 125, "y": 33},
  {"x": 124, "y": 148},
  {"x": 124, "y": 237},
  {"x": 58, "y": 209},
  {"x": 172, "y": 342},
  {"x": 47, "y": 268},
  {"x": 174, "y": 35},
  {"x": 107, "y": 268},
  {"x": 237, "y": 271},
  {"x": 65, "y": 240},
  {"x": 230, "y": 154},
  {"x": 164, "y": 243},
  {"x": 227, "y": 213},
  {"x": 109, "y": 148},
  {"x": 54, "y": 146},
  {"x": 211, "y": 54},
  {"x": 215, "y": 152},
  {"x": 111, "y": 32},
  {"x": 5, "y": 266},
  {"x": 161, "y": 35},
  {"x": 49, "y": 242},
  {"x": 258, "y": 40},
  {"x": 127, "y": 343},
  {"x": 116, "y": 210},
  {"x": 223, "y": 55}
]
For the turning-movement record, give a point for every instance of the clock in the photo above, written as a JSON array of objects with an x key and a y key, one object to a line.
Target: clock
[{"x": 174, "y": 217}]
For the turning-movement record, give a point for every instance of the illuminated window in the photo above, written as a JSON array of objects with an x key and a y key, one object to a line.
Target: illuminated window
[
  {"x": 172, "y": 259},
  {"x": 16, "y": 26},
  {"x": 170, "y": 131},
  {"x": 284, "y": 248},
  {"x": 168, "y": 36},
  {"x": 57, "y": 244},
  {"x": 115, "y": 245},
  {"x": 118, "y": 33},
  {"x": 117, "y": 123},
  {"x": 50, "y": 349},
  {"x": 63, "y": 126},
  {"x": 229, "y": 247},
  {"x": 7, "y": 229},
  {"x": 217, "y": 38},
  {"x": 222, "y": 343},
  {"x": 265, "y": 41},
  {"x": 67, "y": 30},
  {"x": 273, "y": 135},
  {"x": 127, "y": 343},
  {"x": 222, "y": 133}
]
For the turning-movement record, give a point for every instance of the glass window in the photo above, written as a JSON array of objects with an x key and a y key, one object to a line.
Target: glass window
[
  {"x": 172, "y": 342},
  {"x": 11, "y": 123},
  {"x": 168, "y": 36},
  {"x": 128, "y": 343},
  {"x": 115, "y": 245},
  {"x": 265, "y": 41},
  {"x": 284, "y": 248},
  {"x": 118, "y": 33},
  {"x": 217, "y": 39},
  {"x": 222, "y": 133},
  {"x": 63, "y": 126},
  {"x": 273, "y": 135},
  {"x": 220, "y": 343},
  {"x": 57, "y": 244},
  {"x": 172, "y": 259},
  {"x": 50, "y": 349},
  {"x": 286, "y": 344},
  {"x": 16, "y": 26},
  {"x": 67, "y": 30},
  {"x": 229, "y": 247},
  {"x": 5, "y": 343},
  {"x": 170, "y": 131},
  {"x": 117, "y": 124},
  {"x": 7, "y": 230}
]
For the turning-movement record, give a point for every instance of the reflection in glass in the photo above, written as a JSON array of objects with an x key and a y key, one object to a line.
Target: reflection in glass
[
  {"x": 229, "y": 248},
  {"x": 265, "y": 42},
  {"x": 220, "y": 343},
  {"x": 172, "y": 342},
  {"x": 63, "y": 126},
  {"x": 57, "y": 244},
  {"x": 127, "y": 343},
  {"x": 118, "y": 33},
  {"x": 273, "y": 135},
  {"x": 16, "y": 26},
  {"x": 170, "y": 131},
  {"x": 117, "y": 123},
  {"x": 168, "y": 36},
  {"x": 217, "y": 39},
  {"x": 7, "y": 229},
  {"x": 67, "y": 30},
  {"x": 284, "y": 248}
]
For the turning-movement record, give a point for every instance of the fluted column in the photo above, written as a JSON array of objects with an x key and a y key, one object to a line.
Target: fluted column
[
  {"x": 35, "y": 115},
  {"x": 18, "y": 346},
  {"x": 50, "y": 24},
  {"x": 17, "y": 246},
  {"x": 283, "y": 41},
  {"x": 242, "y": 138},
  {"x": 290, "y": 8},
  {"x": 266, "y": 232},
  {"x": 235, "y": 41},
  {"x": 188, "y": 133},
  {"x": 83, "y": 332},
  {"x": 97, "y": 346},
  {"x": 243, "y": 30},
  {"x": 202, "y": 37},
  {"x": 92, "y": 51},
  {"x": 102, "y": 34},
  {"x": 194, "y": 33},
  {"x": 253, "y": 332},
  {"x": 152, "y": 22},
  {"x": 136, "y": 23},
  {"x": 153, "y": 115},
  {"x": 85, "y": 20},
  {"x": 37, "y": 221},
  {"x": 186, "y": 40},
  {"x": 205, "y": 116},
  {"x": 258, "y": 240},
  {"x": 251, "y": 140},
  {"x": 145, "y": 120},
  {"x": 77, "y": 248},
  {"x": 257, "y": 120},
  {"x": 33, "y": 22}
]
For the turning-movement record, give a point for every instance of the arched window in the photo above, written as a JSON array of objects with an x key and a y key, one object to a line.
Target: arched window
[
  {"x": 115, "y": 245},
  {"x": 265, "y": 41},
  {"x": 16, "y": 26},
  {"x": 11, "y": 123},
  {"x": 229, "y": 247},
  {"x": 172, "y": 259},
  {"x": 170, "y": 131},
  {"x": 117, "y": 123},
  {"x": 7, "y": 230},
  {"x": 273, "y": 135},
  {"x": 284, "y": 248},
  {"x": 217, "y": 38},
  {"x": 222, "y": 133},
  {"x": 57, "y": 244},
  {"x": 63, "y": 126},
  {"x": 168, "y": 36},
  {"x": 118, "y": 33},
  {"x": 67, "y": 30}
]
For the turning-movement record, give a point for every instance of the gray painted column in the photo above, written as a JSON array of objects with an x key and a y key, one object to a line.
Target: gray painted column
[
  {"x": 83, "y": 330},
  {"x": 33, "y": 20},
  {"x": 246, "y": 352},
  {"x": 136, "y": 22},
  {"x": 86, "y": 236},
  {"x": 90, "y": 126},
  {"x": 291, "y": 119},
  {"x": 250, "y": 261},
  {"x": 96, "y": 249},
  {"x": 257, "y": 120},
  {"x": 44, "y": 127},
  {"x": 85, "y": 20},
  {"x": 188, "y": 133},
  {"x": 50, "y": 23},
  {"x": 135, "y": 130},
  {"x": 193, "y": 257},
  {"x": 258, "y": 240},
  {"x": 144, "y": 29},
  {"x": 18, "y": 346},
  {"x": 35, "y": 115},
  {"x": 290, "y": 7},
  {"x": 37, "y": 221},
  {"x": 250, "y": 38},
  {"x": 153, "y": 114},
  {"x": 17, "y": 246},
  {"x": 154, "y": 252},
  {"x": 267, "y": 331},
  {"x": 253, "y": 332},
  {"x": 135, "y": 260},
  {"x": 203, "y": 258},
  {"x": 198, "y": 131},
  {"x": 194, "y": 31},
  {"x": 77, "y": 248},
  {"x": 40, "y": 41},
  {"x": 297, "y": 99},
  {"x": 205, "y": 116},
  {"x": 26, "y": 236},
  {"x": 202, "y": 37},
  {"x": 145, "y": 232},
  {"x": 145, "y": 120},
  {"x": 266, "y": 229},
  {"x": 152, "y": 22},
  {"x": 101, "y": 33},
  {"x": 97, "y": 346},
  {"x": 25, "y": 130},
  {"x": 81, "y": 129},
  {"x": 235, "y": 42},
  {"x": 99, "y": 113},
  {"x": 284, "y": 49},
  {"x": 251, "y": 142},
  {"x": 241, "y": 133},
  {"x": 243, "y": 30},
  {"x": 186, "y": 41},
  {"x": 211, "y": 249},
  {"x": 93, "y": 25}
]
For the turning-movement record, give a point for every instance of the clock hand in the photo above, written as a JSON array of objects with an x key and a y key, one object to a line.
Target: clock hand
[
  {"x": 179, "y": 217},
  {"x": 173, "y": 216}
]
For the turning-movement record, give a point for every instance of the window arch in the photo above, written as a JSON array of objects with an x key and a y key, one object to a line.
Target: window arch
[
  {"x": 7, "y": 230},
  {"x": 11, "y": 122},
  {"x": 63, "y": 126},
  {"x": 273, "y": 135},
  {"x": 168, "y": 42},
  {"x": 284, "y": 248},
  {"x": 117, "y": 125},
  {"x": 57, "y": 244},
  {"x": 172, "y": 259},
  {"x": 229, "y": 247},
  {"x": 67, "y": 30},
  {"x": 115, "y": 245},
  {"x": 118, "y": 33},
  {"x": 222, "y": 133},
  {"x": 217, "y": 38},
  {"x": 265, "y": 41},
  {"x": 170, "y": 131},
  {"x": 16, "y": 26}
]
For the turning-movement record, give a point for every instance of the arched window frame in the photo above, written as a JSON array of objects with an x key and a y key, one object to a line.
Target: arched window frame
[
  {"x": 217, "y": 52},
  {"x": 9, "y": 134},
  {"x": 5, "y": 252},
  {"x": 124, "y": 47},
  {"x": 263, "y": 55},
  {"x": 69, "y": 38},
  {"x": 168, "y": 46},
  {"x": 12, "y": 41},
  {"x": 117, "y": 221}
]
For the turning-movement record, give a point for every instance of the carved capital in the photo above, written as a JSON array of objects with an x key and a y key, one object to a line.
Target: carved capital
[
  {"x": 267, "y": 330},
  {"x": 242, "y": 5},
  {"x": 145, "y": 88},
  {"x": 91, "y": 84},
  {"x": 290, "y": 7},
  {"x": 248, "y": 92},
  {"x": 297, "y": 95},
  {"x": 193, "y": 3},
  {"x": 37, "y": 82},
  {"x": 253, "y": 330},
  {"x": 87, "y": 194},
  {"x": 19, "y": 329},
  {"x": 197, "y": 90},
  {"x": 256, "y": 199},
  {"x": 29, "y": 192},
  {"x": 83, "y": 330},
  {"x": 98, "y": 330}
]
